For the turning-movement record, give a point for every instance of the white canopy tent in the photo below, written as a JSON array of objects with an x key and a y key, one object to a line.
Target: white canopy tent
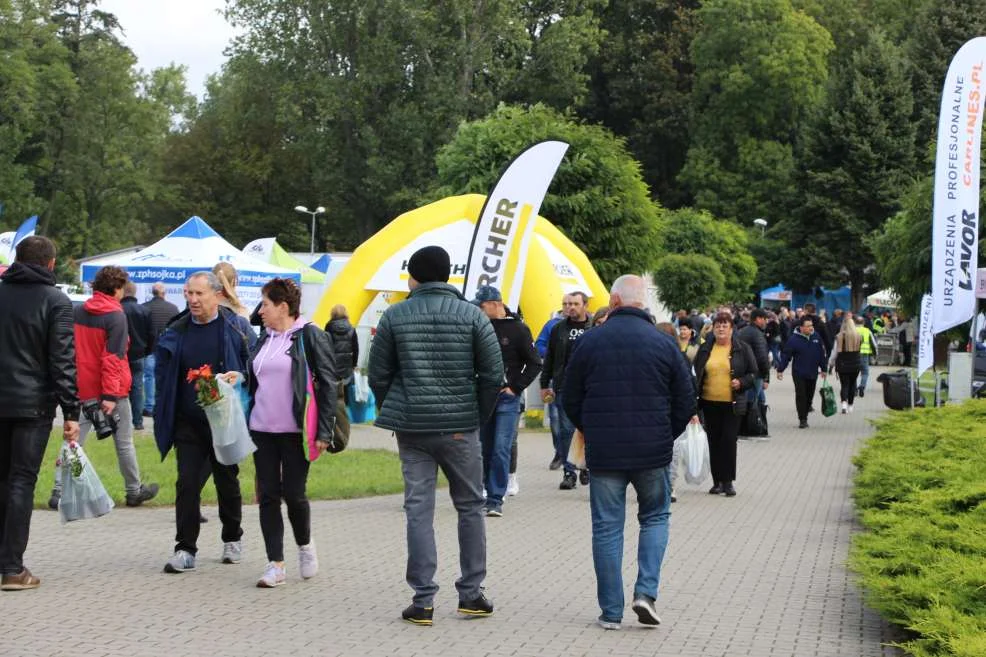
[
  {"x": 883, "y": 299},
  {"x": 190, "y": 248}
]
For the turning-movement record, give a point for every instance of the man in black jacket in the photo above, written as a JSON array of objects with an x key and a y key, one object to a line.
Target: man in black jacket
[
  {"x": 162, "y": 312},
  {"x": 754, "y": 335},
  {"x": 37, "y": 357},
  {"x": 560, "y": 342},
  {"x": 521, "y": 365},
  {"x": 141, "y": 333}
]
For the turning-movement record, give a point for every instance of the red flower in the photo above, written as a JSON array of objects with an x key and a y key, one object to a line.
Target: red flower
[
  {"x": 205, "y": 372},
  {"x": 192, "y": 375}
]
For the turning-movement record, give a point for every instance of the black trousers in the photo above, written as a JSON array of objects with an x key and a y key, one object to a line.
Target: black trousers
[
  {"x": 22, "y": 448},
  {"x": 847, "y": 386},
  {"x": 193, "y": 447},
  {"x": 804, "y": 390},
  {"x": 282, "y": 473},
  {"x": 721, "y": 427},
  {"x": 906, "y": 351}
]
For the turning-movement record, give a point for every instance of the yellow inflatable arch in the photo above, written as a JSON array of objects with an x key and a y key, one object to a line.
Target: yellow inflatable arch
[{"x": 555, "y": 266}]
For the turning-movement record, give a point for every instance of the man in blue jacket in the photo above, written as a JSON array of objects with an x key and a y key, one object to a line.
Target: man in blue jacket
[
  {"x": 629, "y": 390},
  {"x": 808, "y": 353}
]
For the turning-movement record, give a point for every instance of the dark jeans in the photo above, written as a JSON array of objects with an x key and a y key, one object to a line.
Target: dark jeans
[
  {"x": 847, "y": 386},
  {"x": 460, "y": 458},
  {"x": 22, "y": 448},
  {"x": 721, "y": 427},
  {"x": 282, "y": 473},
  {"x": 193, "y": 447},
  {"x": 804, "y": 391},
  {"x": 906, "y": 354},
  {"x": 566, "y": 430},
  {"x": 149, "y": 366},
  {"x": 137, "y": 392}
]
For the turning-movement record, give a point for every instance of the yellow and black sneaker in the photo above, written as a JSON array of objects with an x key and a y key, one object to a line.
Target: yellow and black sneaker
[
  {"x": 418, "y": 615},
  {"x": 478, "y": 608}
]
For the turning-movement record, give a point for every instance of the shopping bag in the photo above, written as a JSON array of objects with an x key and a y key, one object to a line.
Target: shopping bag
[
  {"x": 828, "y": 399},
  {"x": 576, "y": 453},
  {"x": 227, "y": 421},
  {"x": 83, "y": 494},
  {"x": 695, "y": 454},
  {"x": 361, "y": 387}
]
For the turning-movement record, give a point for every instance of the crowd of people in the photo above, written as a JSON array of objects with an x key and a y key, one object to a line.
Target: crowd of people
[{"x": 449, "y": 375}]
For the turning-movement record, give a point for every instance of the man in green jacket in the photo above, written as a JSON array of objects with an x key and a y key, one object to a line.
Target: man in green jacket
[{"x": 435, "y": 368}]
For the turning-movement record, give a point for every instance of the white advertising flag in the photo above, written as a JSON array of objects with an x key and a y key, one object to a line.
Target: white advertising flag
[
  {"x": 498, "y": 253},
  {"x": 955, "y": 232},
  {"x": 926, "y": 337}
]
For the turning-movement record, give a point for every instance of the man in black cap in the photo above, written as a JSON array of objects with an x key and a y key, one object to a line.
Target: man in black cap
[
  {"x": 521, "y": 364},
  {"x": 435, "y": 368}
]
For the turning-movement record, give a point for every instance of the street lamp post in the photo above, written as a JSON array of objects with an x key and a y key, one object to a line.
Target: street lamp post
[
  {"x": 317, "y": 211},
  {"x": 760, "y": 221}
]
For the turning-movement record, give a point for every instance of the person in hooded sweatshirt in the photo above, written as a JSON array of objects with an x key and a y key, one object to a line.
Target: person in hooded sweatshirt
[
  {"x": 345, "y": 346},
  {"x": 290, "y": 352}
]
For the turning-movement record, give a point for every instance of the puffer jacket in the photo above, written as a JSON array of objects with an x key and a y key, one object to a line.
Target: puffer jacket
[
  {"x": 435, "y": 364},
  {"x": 37, "y": 346},
  {"x": 101, "y": 344},
  {"x": 346, "y": 347}
]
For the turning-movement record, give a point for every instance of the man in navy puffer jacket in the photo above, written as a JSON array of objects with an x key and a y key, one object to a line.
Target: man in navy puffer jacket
[{"x": 630, "y": 391}]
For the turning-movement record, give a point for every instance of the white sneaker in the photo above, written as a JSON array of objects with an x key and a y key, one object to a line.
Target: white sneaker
[
  {"x": 232, "y": 552},
  {"x": 307, "y": 560},
  {"x": 273, "y": 576},
  {"x": 513, "y": 485},
  {"x": 850, "y": 408},
  {"x": 844, "y": 407}
]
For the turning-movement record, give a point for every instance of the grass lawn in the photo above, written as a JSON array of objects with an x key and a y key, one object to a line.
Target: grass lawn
[{"x": 352, "y": 473}]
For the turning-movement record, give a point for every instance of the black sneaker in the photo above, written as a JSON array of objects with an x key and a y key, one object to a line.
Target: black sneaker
[
  {"x": 418, "y": 615},
  {"x": 147, "y": 414},
  {"x": 861, "y": 392},
  {"x": 567, "y": 482},
  {"x": 555, "y": 463},
  {"x": 145, "y": 493},
  {"x": 480, "y": 607},
  {"x": 56, "y": 496},
  {"x": 646, "y": 611},
  {"x": 584, "y": 477},
  {"x": 803, "y": 425}
]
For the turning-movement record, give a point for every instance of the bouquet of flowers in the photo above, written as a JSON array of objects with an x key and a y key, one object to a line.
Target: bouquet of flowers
[
  {"x": 206, "y": 386},
  {"x": 70, "y": 457},
  {"x": 83, "y": 494}
]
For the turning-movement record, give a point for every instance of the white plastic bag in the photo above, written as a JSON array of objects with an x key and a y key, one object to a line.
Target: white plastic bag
[
  {"x": 83, "y": 494},
  {"x": 695, "y": 453},
  {"x": 361, "y": 387},
  {"x": 230, "y": 434}
]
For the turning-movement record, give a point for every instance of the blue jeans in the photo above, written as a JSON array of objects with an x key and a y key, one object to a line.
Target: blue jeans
[
  {"x": 497, "y": 437},
  {"x": 607, "y": 500},
  {"x": 864, "y": 370},
  {"x": 565, "y": 432},
  {"x": 149, "y": 363},
  {"x": 555, "y": 423}
]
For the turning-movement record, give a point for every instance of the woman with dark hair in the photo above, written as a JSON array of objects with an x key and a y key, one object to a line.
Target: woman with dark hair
[
  {"x": 292, "y": 367},
  {"x": 724, "y": 369}
]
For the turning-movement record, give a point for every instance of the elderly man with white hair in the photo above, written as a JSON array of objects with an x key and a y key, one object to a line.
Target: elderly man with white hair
[{"x": 630, "y": 391}]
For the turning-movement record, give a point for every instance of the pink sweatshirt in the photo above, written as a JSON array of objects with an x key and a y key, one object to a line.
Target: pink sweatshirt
[{"x": 273, "y": 407}]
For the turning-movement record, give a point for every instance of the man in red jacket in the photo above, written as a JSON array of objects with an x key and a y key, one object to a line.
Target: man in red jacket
[{"x": 101, "y": 342}]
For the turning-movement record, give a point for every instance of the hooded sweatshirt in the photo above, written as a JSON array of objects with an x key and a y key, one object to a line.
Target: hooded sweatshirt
[
  {"x": 273, "y": 404},
  {"x": 101, "y": 341}
]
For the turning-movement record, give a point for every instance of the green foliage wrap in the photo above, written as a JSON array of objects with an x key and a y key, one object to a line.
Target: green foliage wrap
[
  {"x": 597, "y": 197},
  {"x": 921, "y": 495}
]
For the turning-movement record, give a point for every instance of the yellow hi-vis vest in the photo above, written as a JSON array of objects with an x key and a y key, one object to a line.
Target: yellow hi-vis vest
[{"x": 867, "y": 346}]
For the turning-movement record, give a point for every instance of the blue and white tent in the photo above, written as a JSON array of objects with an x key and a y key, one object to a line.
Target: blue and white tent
[{"x": 192, "y": 247}]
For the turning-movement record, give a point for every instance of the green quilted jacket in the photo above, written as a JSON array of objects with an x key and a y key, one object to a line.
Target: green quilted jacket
[{"x": 435, "y": 363}]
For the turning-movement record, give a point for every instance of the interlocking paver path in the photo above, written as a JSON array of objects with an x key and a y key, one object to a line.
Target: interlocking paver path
[{"x": 760, "y": 574}]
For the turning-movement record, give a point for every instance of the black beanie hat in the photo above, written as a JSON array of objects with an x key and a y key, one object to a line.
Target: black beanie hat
[{"x": 430, "y": 264}]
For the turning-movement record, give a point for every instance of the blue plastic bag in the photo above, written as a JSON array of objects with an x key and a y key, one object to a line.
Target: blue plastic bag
[{"x": 83, "y": 494}]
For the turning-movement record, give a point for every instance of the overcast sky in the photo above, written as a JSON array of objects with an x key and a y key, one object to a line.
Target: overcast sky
[{"x": 189, "y": 32}]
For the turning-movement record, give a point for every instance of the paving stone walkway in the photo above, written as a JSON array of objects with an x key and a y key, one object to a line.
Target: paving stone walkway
[{"x": 761, "y": 574}]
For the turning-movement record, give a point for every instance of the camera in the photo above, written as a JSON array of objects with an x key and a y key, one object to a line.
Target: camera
[{"x": 104, "y": 424}]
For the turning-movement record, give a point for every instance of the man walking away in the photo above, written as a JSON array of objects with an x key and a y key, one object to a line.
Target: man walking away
[
  {"x": 435, "y": 368},
  {"x": 560, "y": 341},
  {"x": 866, "y": 350},
  {"x": 345, "y": 347},
  {"x": 162, "y": 312},
  {"x": 754, "y": 334},
  {"x": 631, "y": 393},
  {"x": 141, "y": 342},
  {"x": 806, "y": 350},
  {"x": 37, "y": 357},
  {"x": 205, "y": 334},
  {"x": 101, "y": 342},
  {"x": 522, "y": 365}
]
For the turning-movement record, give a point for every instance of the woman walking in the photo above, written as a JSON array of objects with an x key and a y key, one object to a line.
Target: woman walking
[
  {"x": 724, "y": 369},
  {"x": 685, "y": 335},
  {"x": 292, "y": 369},
  {"x": 847, "y": 360}
]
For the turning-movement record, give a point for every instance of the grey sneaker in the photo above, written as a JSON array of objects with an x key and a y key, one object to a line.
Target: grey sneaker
[
  {"x": 608, "y": 624},
  {"x": 180, "y": 562},
  {"x": 232, "y": 552},
  {"x": 646, "y": 611},
  {"x": 145, "y": 493},
  {"x": 307, "y": 560}
]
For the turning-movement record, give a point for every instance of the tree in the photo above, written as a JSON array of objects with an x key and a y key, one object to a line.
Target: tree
[
  {"x": 693, "y": 232},
  {"x": 859, "y": 160},
  {"x": 597, "y": 196},
  {"x": 688, "y": 281},
  {"x": 760, "y": 71}
]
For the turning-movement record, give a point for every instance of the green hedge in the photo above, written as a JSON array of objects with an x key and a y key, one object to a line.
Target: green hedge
[{"x": 921, "y": 495}]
